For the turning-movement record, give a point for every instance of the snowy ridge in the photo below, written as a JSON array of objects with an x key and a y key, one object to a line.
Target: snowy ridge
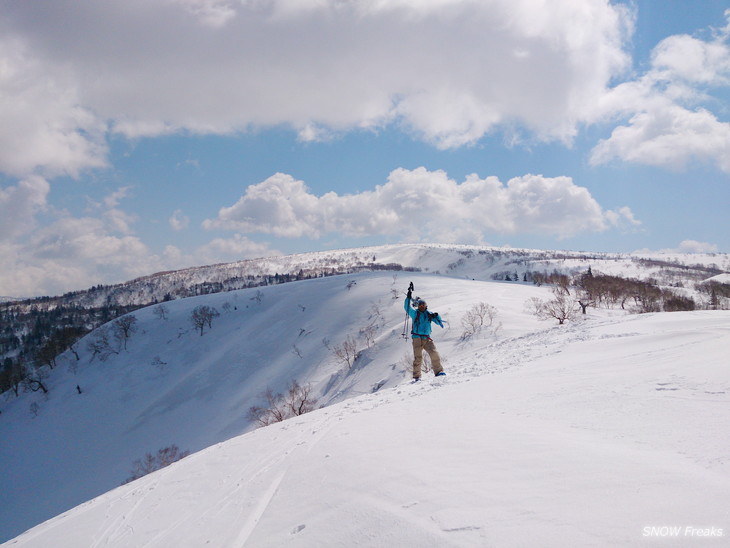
[{"x": 461, "y": 261}]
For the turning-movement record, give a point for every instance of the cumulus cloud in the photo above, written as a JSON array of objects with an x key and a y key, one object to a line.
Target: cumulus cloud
[
  {"x": 670, "y": 120},
  {"x": 669, "y": 137},
  {"x": 76, "y": 253},
  {"x": 43, "y": 125},
  {"x": 84, "y": 250},
  {"x": 19, "y": 205},
  {"x": 450, "y": 71},
  {"x": 235, "y": 248},
  {"x": 421, "y": 205},
  {"x": 178, "y": 220},
  {"x": 693, "y": 246},
  {"x": 685, "y": 246}
]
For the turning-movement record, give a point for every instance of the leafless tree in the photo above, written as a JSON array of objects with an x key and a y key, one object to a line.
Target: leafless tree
[
  {"x": 347, "y": 351},
  {"x": 34, "y": 379},
  {"x": 561, "y": 307},
  {"x": 149, "y": 463},
  {"x": 203, "y": 315},
  {"x": 279, "y": 407},
  {"x": 123, "y": 327},
  {"x": 299, "y": 398},
  {"x": 99, "y": 344},
  {"x": 47, "y": 353},
  {"x": 533, "y": 306},
  {"x": 161, "y": 311},
  {"x": 478, "y": 317}
]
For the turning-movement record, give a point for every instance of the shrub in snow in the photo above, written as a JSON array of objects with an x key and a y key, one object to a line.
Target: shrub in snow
[
  {"x": 478, "y": 317},
  {"x": 347, "y": 351},
  {"x": 149, "y": 463},
  {"x": 561, "y": 307},
  {"x": 279, "y": 407}
]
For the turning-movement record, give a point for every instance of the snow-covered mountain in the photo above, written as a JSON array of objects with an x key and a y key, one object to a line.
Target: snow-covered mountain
[
  {"x": 461, "y": 261},
  {"x": 583, "y": 434}
]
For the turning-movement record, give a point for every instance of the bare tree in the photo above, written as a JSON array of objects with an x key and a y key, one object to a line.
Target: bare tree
[
  {"x": 561, "y": 307},
  {"x": 533, "y": 306},
  {"x": 299, "y": 398},
  {"x": 69, "y": 336},
  {"x": 279, "y": 407},
  {"x": 478, "y": 317},
  {"x": 47, "y": 353},
  {"x": 347, "y": 351},
  {"x": 161, "y": 311},
  {"x": 203, "y": 315},
  {"x": 149, "y": 463},
  {"x": 99, "y": 344},
  {"x": 368, "y": 332},
  {"x": 34, "y": 379},
  {"x": 274, "y": 410},
  {"x": 124, "y": 327}
]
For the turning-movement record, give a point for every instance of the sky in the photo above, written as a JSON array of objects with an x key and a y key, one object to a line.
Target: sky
[{"x": 150, "y": 135}]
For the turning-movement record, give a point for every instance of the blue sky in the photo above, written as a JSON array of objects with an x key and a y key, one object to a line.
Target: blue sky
[{"x": 141, "y": 136}]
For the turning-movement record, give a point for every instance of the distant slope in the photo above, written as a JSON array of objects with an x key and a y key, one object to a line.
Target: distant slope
[
  {"x": 461, "y": 261},
  {"x": 608, "y": 432}
]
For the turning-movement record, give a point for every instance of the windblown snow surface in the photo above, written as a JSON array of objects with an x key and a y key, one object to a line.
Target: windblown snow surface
[{"x": 611, "y": 430}]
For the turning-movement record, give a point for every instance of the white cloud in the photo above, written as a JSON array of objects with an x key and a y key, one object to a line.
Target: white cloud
[
  {"x": 420, "y": 205},
  {"x": 669, "y": 137},
  {"x": 43, "y": 125},
  {"x": 233, "y": 249},
  {"x": 685, "y": 246},
  {"x": 113, "y": 199},
  {"x": 693, "y": 246},
  {"x": 179, "y": 221},
  {"x": 213, "y": 13},
  {"x": 683, "y": 57},
  {"x": 449, "y": 70},
  {"x": 670, "y": 121},
  {"x": 71, "y": 253},
  {"x": 623, "y": 217},
  {"x": 74, "y": 253},
  {"x": 19, "y": 205}
]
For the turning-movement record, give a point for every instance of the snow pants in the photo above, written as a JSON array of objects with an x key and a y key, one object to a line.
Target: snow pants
[{"x": 419, "y": 345}]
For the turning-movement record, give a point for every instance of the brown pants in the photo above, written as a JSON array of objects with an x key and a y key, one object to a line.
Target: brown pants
[{"x": 419, "y": 345}]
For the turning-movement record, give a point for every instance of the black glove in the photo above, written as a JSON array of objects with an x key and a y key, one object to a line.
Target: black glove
[
  {"x": 408, "y": 294},
  {"x": 410, "y": 290}
]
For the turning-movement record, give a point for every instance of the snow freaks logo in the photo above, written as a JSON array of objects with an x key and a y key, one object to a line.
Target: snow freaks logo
[{"x": 678, "y": 531}]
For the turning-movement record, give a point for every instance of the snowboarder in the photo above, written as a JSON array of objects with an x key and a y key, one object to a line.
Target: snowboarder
[{"x": 421, "y": 335}]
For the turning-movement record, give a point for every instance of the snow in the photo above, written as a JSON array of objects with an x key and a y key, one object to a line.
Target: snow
[
  {"x": 588, "y": 434},
  {"x": 720, "y": 278}
]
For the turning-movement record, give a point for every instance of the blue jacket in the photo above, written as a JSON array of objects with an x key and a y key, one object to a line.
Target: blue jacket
[{"x": 421, "y": 320}]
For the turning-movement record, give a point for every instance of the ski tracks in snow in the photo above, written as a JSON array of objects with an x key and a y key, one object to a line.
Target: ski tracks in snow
[{"x": 278, "y": 467}]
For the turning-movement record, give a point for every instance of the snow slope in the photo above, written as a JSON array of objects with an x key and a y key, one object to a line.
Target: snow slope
[
  {"x": 587, "y": 434},
  {"x": 610, "y": 431},
  {"x": 173, "y": 386}
]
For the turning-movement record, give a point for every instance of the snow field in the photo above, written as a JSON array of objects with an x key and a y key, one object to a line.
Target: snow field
[{"x": 579, "y": 435}]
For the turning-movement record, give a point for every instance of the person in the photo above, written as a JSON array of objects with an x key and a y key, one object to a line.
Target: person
[{"x": 421, "y": 335}]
